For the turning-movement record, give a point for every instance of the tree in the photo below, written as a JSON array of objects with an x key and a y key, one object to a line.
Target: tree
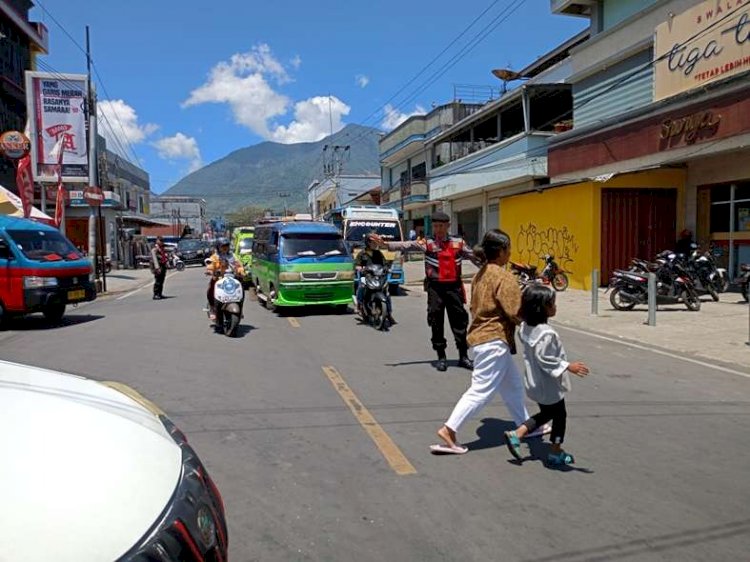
[{"x": 244, "y": 216}]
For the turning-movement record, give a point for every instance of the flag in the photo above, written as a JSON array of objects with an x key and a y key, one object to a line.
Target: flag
[
  {"x": 58, "y": 151},
  {"x": 25, "y": 184}
]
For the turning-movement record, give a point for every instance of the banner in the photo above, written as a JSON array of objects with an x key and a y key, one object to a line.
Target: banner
[
  {"x": 25, "y": 184},
  {"x": 706, "y": 43},
  {"x": 60, "y": 200},
  {"x": 57, "y": 109}
]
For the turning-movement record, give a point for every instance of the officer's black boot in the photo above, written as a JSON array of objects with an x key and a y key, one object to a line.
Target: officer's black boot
[
  {"x": 442, "y": 362},
  {"x": 464, "y": 361}
]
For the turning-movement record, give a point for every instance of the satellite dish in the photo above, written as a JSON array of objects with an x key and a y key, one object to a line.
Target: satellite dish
[{"x": 506, "y": 75}]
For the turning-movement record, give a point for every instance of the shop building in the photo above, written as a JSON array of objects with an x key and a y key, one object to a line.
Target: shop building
[{"x": 661, "y": 144}]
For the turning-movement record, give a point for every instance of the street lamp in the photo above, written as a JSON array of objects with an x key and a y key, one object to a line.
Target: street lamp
[{"x": 283, "y": 196}]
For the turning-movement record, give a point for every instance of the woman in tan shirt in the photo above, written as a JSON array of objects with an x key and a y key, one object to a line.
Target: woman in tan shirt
[{"x": 495, "y": 303}]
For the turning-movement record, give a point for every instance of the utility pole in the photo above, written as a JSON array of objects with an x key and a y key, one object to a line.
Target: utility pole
[
  {"x": 333, "y": 164},
  {"x": 283, "y": 196}
]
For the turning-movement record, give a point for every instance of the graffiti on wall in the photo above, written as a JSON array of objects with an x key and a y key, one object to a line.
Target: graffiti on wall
[{"x": 533, "y": 243}]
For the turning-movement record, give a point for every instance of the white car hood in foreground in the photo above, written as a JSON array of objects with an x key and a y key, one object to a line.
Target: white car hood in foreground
[{"x": 84, "y": 469}]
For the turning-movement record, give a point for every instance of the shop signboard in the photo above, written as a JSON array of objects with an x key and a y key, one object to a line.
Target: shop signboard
[
  {"x": 705, "y": 43},
  {"x": 14, "y": 145},
  {"x": 56, "y": 106}
]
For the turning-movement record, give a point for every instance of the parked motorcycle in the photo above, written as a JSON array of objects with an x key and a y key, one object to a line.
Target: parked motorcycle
[
  {"x": 552, "y": 274},
  {"x": 744, "y": 281},
  {"x": 375, "y": 299},
  {"x": 705, "y": 274},
  {"x": 107, "y": 265},
  {"x": 229, "y": 297},
  {"x": 673, "y": 285}
]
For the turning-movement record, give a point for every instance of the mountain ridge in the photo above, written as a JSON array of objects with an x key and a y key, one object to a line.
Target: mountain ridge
[{"x": 257, "y": 174}]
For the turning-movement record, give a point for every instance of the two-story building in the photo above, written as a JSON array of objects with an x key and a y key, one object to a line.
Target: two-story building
[
  {"x": 661, "y": 117},
  {"x": 334, "y": 192},
  {"x": 21, "y": 41},
  {"x": 405, "y": 161},
  {"x": 180, "y": 211},
  {"x": 501, "y": 149}
]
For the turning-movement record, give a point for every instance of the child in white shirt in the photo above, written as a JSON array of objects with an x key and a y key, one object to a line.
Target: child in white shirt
[{"x": 546, "y": 378}]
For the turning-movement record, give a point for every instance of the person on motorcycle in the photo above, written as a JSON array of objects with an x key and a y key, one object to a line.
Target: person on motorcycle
[
  {"x": 370, "y": 255},
  {"x": 221, "y": 260}
]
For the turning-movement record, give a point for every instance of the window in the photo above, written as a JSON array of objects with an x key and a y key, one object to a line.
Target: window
[
  {"x": 44, "y": 245},
  {"x": 419, "y": 172},
  {"x": 312, "y": 244}
]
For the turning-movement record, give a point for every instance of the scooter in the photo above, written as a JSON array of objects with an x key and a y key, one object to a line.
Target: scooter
[
  {"x": 173, "y": 262},
  {"x": 375, "y": 298},
  {"x": 552, "y": 274},
  {"x": 229, "y": 298}
]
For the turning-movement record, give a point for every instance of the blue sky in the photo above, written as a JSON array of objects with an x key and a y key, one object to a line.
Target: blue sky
[{"x": 190, "y": 81}]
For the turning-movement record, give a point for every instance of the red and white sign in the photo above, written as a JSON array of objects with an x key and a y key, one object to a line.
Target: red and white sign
[
  {"x": 93, "y": 196},
  {"x": 57, "y": 112},
  {"x": 14, "y": 145},
  {"x": 25, "y": 184}
]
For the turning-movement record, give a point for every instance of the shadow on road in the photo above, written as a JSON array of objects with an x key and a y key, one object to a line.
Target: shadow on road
[
  {"x": 33, "y": 323},
  {"x": 490, "y": 434}
]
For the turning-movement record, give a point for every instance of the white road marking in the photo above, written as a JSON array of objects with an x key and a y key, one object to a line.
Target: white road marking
[{"x": 657, "y": 351}]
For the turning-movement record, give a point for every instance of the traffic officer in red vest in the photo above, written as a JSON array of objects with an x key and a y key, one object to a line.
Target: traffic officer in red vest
[{"x": 445, "y": 290}]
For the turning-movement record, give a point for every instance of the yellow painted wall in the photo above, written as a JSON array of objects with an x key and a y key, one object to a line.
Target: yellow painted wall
[
  {"x": 565, "y": 221},
  {"x": 562, "y": 221}
]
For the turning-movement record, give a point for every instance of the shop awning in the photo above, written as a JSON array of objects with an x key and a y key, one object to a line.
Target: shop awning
[
  {"x": 10, "y": 205},
  {"x": 144, "y": 221}
]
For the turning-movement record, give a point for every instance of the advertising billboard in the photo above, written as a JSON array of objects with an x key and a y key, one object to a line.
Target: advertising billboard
[{"x": 56, "y": 105}]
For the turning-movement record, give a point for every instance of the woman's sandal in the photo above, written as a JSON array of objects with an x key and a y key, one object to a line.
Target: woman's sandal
[{"x": 513, "y": 443}]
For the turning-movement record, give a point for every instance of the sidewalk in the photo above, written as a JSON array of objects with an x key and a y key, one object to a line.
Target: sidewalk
[
  {"x": 124, "y": 280},
  {"x": 717, "y": 333}
]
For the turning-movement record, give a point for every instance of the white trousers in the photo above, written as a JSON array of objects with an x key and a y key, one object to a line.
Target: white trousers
[{"x": 494, "y": 371}]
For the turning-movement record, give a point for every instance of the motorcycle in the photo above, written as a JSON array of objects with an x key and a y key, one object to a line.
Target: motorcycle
[
  {"x": 229, "y": 298},
  {"x": 673, "y": 285},
  {"x": 705, "y": 273},
  {"x": 174, "y": 262},
  {"x": 744, "y": 281},
  {"x": 374, "y": 308},
  {"x": 552, "y": 274},
  {"x": 107, "y": 265}
]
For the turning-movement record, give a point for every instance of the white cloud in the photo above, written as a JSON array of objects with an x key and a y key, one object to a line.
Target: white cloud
[
  {"x": 312, "y": 120},
  {"x": 296, "y": 62},
  {"x": 180, "y": 147},
  {"x": 393, "y": 117},
  {"x": 119, "y": 125},
  {"x": 244, "y": 83},
  {"x": 362, "y": 80}
]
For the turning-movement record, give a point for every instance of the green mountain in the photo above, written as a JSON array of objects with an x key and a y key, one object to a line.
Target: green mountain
[{"x": 256, "y": 175}]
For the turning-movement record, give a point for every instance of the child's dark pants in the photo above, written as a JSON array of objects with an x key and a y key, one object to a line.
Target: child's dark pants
[{"x": 550, "y": 412}]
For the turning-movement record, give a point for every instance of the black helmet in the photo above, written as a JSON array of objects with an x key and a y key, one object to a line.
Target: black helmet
[{"x": 221, "y": 242}]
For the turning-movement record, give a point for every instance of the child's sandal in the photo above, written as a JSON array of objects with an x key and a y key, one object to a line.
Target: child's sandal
[
  {"x": 560, "y": 459},
  {"x": 513, "y": 443}
]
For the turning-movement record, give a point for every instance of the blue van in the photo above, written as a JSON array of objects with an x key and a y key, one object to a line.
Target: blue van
[
  {"x": 298, "y": 263},
  {"x": 40, "y": 270}
]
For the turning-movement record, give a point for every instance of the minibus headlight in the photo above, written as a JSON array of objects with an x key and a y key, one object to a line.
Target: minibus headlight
[
  {"x": 286, "y": 276},
  {"x": 346, "y": 275},
  {"x": 34, "y": 282}
]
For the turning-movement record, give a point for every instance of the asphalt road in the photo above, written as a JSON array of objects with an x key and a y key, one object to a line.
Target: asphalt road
[{"x": 316, "y": 431}]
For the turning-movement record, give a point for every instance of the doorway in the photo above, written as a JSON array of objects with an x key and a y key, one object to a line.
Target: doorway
[{"x": 636, "y": 223}]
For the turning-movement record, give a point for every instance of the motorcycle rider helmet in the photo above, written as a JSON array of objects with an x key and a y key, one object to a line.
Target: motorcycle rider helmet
[
  {"x": 370, "y": 241},
  {"x": 221, "y": 242}
]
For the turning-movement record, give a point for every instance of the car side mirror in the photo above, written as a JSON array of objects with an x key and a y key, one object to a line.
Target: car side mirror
[{"x": 5, "y": 253}]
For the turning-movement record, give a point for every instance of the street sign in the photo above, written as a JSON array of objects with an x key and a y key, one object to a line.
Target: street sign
[
  {"x": 14, "y": 145},
  {"x": 93, "y": 196}
]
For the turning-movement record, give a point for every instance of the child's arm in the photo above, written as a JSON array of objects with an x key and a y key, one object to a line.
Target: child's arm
[{"x": 549, "y": 355}]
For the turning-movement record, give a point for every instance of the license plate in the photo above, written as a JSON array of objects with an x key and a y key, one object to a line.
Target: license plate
[{"x": 78, "y": 295}]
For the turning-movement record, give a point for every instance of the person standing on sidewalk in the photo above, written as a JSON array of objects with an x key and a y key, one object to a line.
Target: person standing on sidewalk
[
  {"x": 495, "y": 304},
  {"x": 547, "y": 367},
  {"x": 159, "y": 267},
  {"x": 444, "y": 255}
]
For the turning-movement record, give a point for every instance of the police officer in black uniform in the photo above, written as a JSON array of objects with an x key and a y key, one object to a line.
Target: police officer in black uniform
[{"x": 444, "y": 255}]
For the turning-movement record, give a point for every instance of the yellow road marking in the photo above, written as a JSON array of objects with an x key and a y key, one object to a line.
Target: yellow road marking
[
  {"x": 293, "y": 322},
  {"x": 388, "y": 448}
]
